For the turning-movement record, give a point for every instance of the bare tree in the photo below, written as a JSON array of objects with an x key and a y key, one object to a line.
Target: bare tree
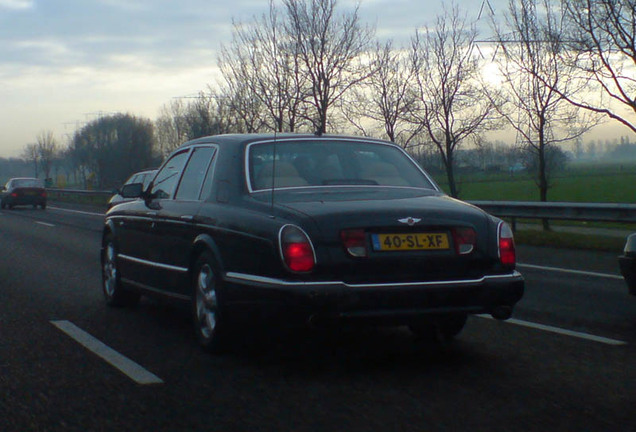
[
  {"x": 532, "y": 71},
  {"x": 47, "y": 151},
  {"x": 387, "y": 96},
  {"x": 170, "y": 127},
  {"x": 451, "y": 106},
  {"x": 330, "y": 49},
  {"x": 264, "y": 60},
  {"x": 245, "y": 109},
  {"x": 208, "y": 113},
  {"x": 31, "y": 155},
  {"x": 602, "y": 46}
]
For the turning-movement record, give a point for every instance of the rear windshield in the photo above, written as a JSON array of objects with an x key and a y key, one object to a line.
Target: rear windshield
[
  {"x": 331, "y": 163},
  {"x": 28, "y": 183}
]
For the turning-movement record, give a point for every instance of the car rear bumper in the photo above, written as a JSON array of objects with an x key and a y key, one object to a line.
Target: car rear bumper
[
  {"x": 391, "y": 303},
  {"x": 628, "y": 270},
  {"x": 25, "y": 200}
]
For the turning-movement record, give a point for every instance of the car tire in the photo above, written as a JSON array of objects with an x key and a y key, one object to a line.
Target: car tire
[
  {"x": 208, "y": 315},
  {"x": 43, "y": 206},
  {"x": 114, "y": 292},
  {"x": 3, "y": 205},
  {"x": 443, "y": 328}
]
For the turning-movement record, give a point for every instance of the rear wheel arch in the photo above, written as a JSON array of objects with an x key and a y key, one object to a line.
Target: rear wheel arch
[{"x": 205, "y": 243}]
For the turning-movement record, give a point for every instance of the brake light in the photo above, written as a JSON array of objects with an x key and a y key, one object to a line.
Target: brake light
[
  {"x": 465, "y": 240},
  {"x": 14, "y": 194},
  {"x": 43, "y": 195},
  {"x": 296, "y": 249},
  {"x": 354, "y": 241},
  {"x": 507, "y": 253}
]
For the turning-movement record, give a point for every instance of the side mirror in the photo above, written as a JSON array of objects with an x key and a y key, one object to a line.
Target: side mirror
[{"x": 132, "y": 190}]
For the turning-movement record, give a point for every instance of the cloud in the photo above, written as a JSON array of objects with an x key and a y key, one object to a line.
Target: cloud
[
  {"x": 127, "y": 5},
  {"x": 17, "y": 4}
]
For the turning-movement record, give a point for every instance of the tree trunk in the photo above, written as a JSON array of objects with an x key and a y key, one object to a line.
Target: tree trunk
[
  {"x": 543, "y": 184},
  {"x": 450, "y": 175}
]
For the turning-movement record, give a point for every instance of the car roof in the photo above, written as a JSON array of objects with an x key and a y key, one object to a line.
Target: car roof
[{"x": 240, "y": 139}]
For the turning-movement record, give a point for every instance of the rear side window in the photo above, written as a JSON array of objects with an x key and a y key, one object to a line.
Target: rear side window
[
  {"x": 28, "y": 183},
  {"x": 168, "y": 177},
  {"x": 194, "y": 174}
]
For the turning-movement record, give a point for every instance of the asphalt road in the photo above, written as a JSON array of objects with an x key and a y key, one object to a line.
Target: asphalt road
[{"x": 68, "y": 363}]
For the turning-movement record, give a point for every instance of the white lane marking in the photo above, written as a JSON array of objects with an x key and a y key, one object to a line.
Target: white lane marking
[
  {"x": 76, "y": 211},
  {"x": 44, "y": 223},
  {"x": 561, "y": 331},
  {"x": 124, "y": 364},
  {"x": 578, "y": 272}
]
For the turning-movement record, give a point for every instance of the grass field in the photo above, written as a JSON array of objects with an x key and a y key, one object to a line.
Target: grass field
[{"x": 612, "y": 183}]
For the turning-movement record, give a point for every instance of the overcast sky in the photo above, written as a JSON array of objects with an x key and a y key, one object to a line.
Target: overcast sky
[{"x": 63, "y": 62}]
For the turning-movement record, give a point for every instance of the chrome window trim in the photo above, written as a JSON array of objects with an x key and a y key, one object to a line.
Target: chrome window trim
[
  {"x": 153, "y": 264},
  {"x": 192, "y": 150},
  {"x": 248, "y": 178},
  {"x": 188, "y": 152}
]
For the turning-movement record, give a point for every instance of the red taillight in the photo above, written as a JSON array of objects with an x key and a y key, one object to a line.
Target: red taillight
[
  {"x": 14, "y": 194},
  {"x": 507, "y": 254},
  {"x": 43, "y": 194},
  {"x": 296, "y": 249},
  {"x": 465, "y": 240},
  {"x": 354, "y": 241}
]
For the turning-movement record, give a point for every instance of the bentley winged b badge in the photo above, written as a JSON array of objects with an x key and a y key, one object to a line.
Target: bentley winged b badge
[{"x": 410, "y": 221}]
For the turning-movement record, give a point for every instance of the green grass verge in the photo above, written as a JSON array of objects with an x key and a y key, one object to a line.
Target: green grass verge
[
  {"x": 596, "y": 188},
  {"x": 569, "y": 240},
  {"x": 80, "y": 199},
  {"x": 602, "y": 183}
]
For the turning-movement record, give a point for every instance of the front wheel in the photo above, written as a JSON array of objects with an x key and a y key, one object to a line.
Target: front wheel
[
  {"x": 442, "y": 328},
  {"x": 114, "y": 293},
  {"x": 208, "y": 316}
]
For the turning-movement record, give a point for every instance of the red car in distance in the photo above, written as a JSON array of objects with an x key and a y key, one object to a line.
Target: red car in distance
[{"x": 23, "y": 191}]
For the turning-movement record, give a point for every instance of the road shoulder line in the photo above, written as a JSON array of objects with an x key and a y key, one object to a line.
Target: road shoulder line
[
  {"x": 578, "y": 272},
  {"x": 75, "y": 211},
  {"x": 561, "y": 331},
  {"x": 128, "y": 367}
]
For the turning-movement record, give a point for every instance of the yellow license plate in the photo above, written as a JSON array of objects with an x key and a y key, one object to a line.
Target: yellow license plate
[{"x": 414, "y": 241}]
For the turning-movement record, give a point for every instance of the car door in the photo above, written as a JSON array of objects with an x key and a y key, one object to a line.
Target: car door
[
  {"x": 174, "y": 230},
  {"x": 138, "y": 239}
]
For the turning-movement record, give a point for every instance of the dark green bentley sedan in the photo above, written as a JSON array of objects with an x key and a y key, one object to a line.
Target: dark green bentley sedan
[{"x": 319, "y": 229}]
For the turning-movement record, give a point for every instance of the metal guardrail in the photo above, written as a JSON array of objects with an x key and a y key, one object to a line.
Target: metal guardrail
[
  {"x": 599, "y": 212},
  {"x": 82, "y": 192},
  {"x": 590, "y": 212}
]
